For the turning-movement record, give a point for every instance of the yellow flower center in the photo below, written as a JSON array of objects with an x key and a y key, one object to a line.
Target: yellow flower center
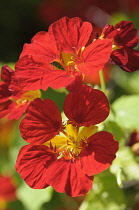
[
  {"x": 115, "y": 47},
  {"x": 28, "y": 96},
  {"x": 68, "y": 58},
  {"x": 71, "y": 142},
  {"x": 70, "y": 61}
]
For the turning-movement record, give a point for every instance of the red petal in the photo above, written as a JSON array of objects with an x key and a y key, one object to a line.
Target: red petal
[
  {"x": 70, "y": 35},
  {"x": 109, "y": 32},
  {"x": 67, "y": 177},
  {"x": 6, "y": 74},
  {"x": 86, "y": 106},
  {"x": 95, "y": 56},
  {"x": 120, "y": 57},
  {"x": 30, "y": 71},
  {"x": 32, "y": 163},
  {"x": 123, "y": 33},
  {"x": 59, "y": 78},
  {"x": 17, "y": 111},
  {"x": 42, "y": 122},
  {"x": 6, "y": 108},
  {"x": 133, "y": 61},
  {"x": 5, "y": 94},
  {"x": 41, "y": 45},
  {"x": 99, "y": 153},
  {"x": 127, "y": 34}
]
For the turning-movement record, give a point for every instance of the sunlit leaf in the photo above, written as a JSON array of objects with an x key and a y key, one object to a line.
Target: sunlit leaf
[
  {"x": 33, "y": 199},
  {"x": 126, "y": 110}
]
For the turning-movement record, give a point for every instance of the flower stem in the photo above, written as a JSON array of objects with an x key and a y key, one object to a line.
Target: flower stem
[{"x": 102, "y": 81}]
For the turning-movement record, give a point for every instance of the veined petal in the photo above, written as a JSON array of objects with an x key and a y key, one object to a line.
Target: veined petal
[
  {"x": 30, "y": 71},
  {"x": 70, "y": 35},
  {"x": 86, "y": 106},
  {"x": 32, "y": 163},
  {"x": 17, "y": 111},
  {"x": 6, "y": 74},
  {"x": 58, "y": 78},
  {"x": 5, "y": 94},
  {"x": 120, "y": 57},
  {"x": 6, "y": 108},
  {"x": 42, "y": 122},
  {"x": 95, "y": 56},
  {"x": 67, "y": 177},
  {"x": 133, "y": 61},
  {"x": 127, "y": 34},
  {"x": 99, "y": 153},
  {"x": 41, "y": 45}
]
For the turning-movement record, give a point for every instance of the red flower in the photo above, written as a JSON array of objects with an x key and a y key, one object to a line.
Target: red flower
[
  {"x": 125, "y": 38},
  {"x": 66, "y": 47},
  {"x": 13, "y": 102},
  {"x": 67, "y": 162},
  {"x": 7, "y": 191}
]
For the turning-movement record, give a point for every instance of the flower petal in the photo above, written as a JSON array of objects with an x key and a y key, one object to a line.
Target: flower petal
[
  {"x": 127, "y": 34},
  {"x": 86, "y": 106},
  {"x": 6, "y": 108},
  {"x": 95, "y": 56},
  {"x": 59, "y": 78},
  {"x": 42, "y": 122},
  {"x": 123, "y": 33},
  {"x": 5, "y": 94},
  {"x": 30, "y": 71},
  {"x": 133, "y": 61},
  {"x": 41, "y": 45},
  {"x": 120, "y": 57},
  {"x": 67, "y": 177},
  {"x": 17, "y": 111},
  {"x": 32, "y": 163},
  {"x": 6, "y": 74},
  {"x": 70, "y": 35},
  {"x": 99, "y": 153}
]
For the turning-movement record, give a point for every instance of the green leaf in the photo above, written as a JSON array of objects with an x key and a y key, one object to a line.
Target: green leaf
[
  {"x": 33, "y": 199},
  {"x": 128, "y": 81},
  {"x": 105, "y": 194},
  {"x": 126, "y": 110},
  {"x": 126, "y": 160},
  {"x": 115, "y": 130},
  {"x": 57, "y": 97}
]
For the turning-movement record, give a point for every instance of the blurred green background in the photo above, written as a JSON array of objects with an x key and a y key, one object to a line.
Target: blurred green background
[{"x": 116, "y": 188}]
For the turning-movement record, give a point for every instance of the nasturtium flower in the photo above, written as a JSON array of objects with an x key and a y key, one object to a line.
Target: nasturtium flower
[
  {"x": 66, "y": 154},
  {"x": 125, "y": 38},
  {"x": 7, "y": 191},
  {"x": 13, "y": 102},
  {"x": 55, "y": 58}
]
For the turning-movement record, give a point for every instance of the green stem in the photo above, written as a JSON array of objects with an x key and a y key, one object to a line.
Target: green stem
[{"x": 102, "y": 81}]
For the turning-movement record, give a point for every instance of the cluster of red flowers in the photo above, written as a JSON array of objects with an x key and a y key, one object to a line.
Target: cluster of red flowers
[{"x": 65, "y": 154}]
